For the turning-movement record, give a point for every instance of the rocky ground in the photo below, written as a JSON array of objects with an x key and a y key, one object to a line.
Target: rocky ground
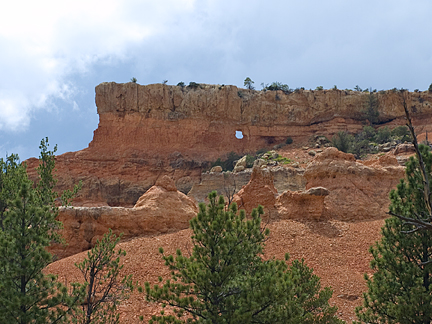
[{"x": 336, "y": 250}]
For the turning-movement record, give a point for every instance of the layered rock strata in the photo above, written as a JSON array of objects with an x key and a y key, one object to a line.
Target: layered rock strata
[
  {"x": 302, "y": 205},
  {"x": 162, "y": 209},
  {"x": 284, "y": 178},
  {"x": 146, "y": 132},
  {"x": 358, "y": 191}
]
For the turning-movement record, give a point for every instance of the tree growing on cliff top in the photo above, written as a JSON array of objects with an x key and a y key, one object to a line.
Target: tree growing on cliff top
[
  {"x": 28, "y": 225},
  {"x": 226, "y": 280},
  {"x": 248, "y": 83}
]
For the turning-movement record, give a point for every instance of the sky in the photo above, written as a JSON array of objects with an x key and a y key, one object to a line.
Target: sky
[{"x": 54, "y": 53}]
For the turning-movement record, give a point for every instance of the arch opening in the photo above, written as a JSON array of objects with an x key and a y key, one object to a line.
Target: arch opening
[{"x": 239, "y": 134}]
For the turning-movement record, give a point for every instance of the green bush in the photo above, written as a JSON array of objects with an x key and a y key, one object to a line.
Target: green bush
[
  {"x": 248, "y": 83},
  {"x": 228, "y": 163},
  {"x": 369, "y": 133},
  {"x": 401, "y": 133},
  {"x": 289, "y": 140},
  {"x": 319, "y": 88},
  {"x": 383, "y": 135},
  {"x": 430, "y": 88},
  {"x": 249, "y": 161},
  {"x": 194, "y": 85},
  {"x": 360, "y": 148},
  {"x": 342, "y": 141},
  {"x": 181, "y": 84},
  {"x": 279, "y": 86}
]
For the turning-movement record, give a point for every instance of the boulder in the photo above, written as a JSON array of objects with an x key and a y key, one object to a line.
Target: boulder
[
  {"x": 240, "y": 165},
  {"x": 216, "y": 169},
  {"x": 260, "y": 162},
  {"x": 404, "y": 149},
  {"x": 302, "y": 205}
]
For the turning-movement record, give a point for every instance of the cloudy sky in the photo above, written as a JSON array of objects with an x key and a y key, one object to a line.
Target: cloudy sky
[{"x": 53, "y": 53}]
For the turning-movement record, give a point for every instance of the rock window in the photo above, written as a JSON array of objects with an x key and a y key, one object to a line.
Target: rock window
[{"x": 239, "y": 134}]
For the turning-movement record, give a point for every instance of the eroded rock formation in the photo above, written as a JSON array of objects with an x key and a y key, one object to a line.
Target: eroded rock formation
[
  {"x": 357, "y": 191},
  {"x": 162, "y": 209},
  {"x": 260, "y": 190},
  {"x": 302, "y": 205},
  {"x": 284, "y": 178}
]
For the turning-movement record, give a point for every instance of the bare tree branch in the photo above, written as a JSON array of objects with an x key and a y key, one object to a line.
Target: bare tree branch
[{"x": 426, "y": 187}]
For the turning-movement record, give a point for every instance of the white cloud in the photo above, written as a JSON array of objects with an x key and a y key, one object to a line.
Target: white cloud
[{"x": 44, "y": 42}]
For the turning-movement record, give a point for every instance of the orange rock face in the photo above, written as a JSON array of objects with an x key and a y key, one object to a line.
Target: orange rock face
[
  {"x": 357, "y": 191},
  {"x": 259, "y": 191},
  {"x": 302, "y": 205},
  {"x": 146, "y": 132},
  {"x": 161, "y": 209}
]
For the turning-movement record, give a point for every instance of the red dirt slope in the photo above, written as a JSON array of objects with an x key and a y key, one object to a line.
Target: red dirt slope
[{"x": 336, "y": 250}]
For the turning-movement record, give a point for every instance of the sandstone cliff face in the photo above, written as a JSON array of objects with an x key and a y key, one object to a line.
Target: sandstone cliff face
[
  {"x": 157, "y": 119},
  {"x": 357, "y": 191},
  {"x": 283, "y": 179},
  {"x": 146, "y": 132}
]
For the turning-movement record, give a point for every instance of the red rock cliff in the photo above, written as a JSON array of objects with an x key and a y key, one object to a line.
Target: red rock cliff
[
  {"x": 148, "y": 131},
  {"x": 158, "y": 120}
]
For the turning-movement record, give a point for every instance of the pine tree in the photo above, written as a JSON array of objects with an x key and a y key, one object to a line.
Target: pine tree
[
  {"x": 28, "y": 225},
  {"x": 104, "y": 289},
  {"x": 248, "y": 83},
  {"x": 400, "y": 289},
  {"x": 226, "y": 280},
  {"x": 370, "y": 108}
]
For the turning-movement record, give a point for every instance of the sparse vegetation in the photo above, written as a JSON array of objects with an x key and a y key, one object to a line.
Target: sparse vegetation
[
  {"x": 289, "y": 141},
  {"x": 194, "y": 85},
  {"x": 430, "y": 88},
  {"x": 342, "y": 141},
  {"x": 319, "y": 88},
  {"x": 134, "y": 80},
  {"x": 248, "y": 83},
  {"x": 181, "y": 84},
  {"x": 228, "y": 163},
  {"x": 369, "y": 139},
  {"x": 278, "y": 86}
]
